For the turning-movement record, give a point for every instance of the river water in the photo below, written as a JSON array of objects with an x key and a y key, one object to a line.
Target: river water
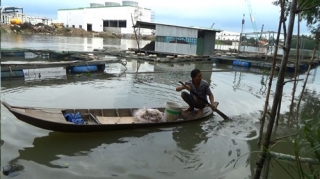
[{"x": 205, "y": 149}]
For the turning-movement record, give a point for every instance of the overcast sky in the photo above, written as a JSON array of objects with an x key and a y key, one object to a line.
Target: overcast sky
[{"x": 225, "y": 14}]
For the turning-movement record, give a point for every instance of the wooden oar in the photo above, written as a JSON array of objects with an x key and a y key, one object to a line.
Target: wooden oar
[{"x": 205, "y": 100}]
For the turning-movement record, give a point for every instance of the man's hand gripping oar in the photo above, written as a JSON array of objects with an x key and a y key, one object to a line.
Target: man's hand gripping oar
[{"x": 204, "y": 100}]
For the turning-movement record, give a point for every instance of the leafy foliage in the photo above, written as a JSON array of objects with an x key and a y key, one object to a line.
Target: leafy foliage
[
  {"x": 309, "y": 43},
  {"x": 312, "y": 14}
]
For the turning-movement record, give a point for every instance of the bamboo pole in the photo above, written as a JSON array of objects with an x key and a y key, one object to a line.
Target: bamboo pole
[
  {"x": 279, "y": 108},
  {"x": 308, "y": 73},
  {"x": 266, "y": 170},
  {"x": 292, "y": 158},
  {"x": 265, "y": 146},
  {"x": 295, "y": 68},
  {"x": 272, "y": 73}
]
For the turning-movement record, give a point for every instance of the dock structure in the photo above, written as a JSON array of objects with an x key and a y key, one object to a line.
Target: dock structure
[
  {"x": 242, "y": 60},
  {"x": 73, "y": 62},
  {"x": 94, "y": 61}
]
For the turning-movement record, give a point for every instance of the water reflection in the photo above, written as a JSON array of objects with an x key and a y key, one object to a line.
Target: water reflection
[
  {"x": 309, "y": 108},
  {"x": 49, "y": 148},
  {"x": 186, "y": 68},
  {"x": 206, "y": 148},
  {"x": 188, "y": 138},
  {"x": 189, "y": 135},
  {"x": 17, "y": 83},
  {"x": 60, "y": 43}
]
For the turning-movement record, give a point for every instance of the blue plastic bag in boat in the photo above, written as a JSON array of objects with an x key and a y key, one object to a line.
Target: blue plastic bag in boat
[
  {"x": 74, "y": 118},
  {"x": 12, "y": 170}
]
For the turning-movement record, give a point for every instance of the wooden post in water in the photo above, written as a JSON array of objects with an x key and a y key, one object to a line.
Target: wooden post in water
[
  {"x": 135, "y": 33},
  {"x": 240, "y": 39},
  {"x": 308, "y": 73},
  {"x": 295, "y": 67},
  {"x": 291, "y": 158}
]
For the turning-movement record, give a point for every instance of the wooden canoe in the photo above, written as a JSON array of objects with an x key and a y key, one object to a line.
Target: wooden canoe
[{"x": 96, "y": 120}]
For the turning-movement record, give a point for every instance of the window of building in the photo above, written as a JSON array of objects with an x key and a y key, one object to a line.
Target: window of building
[
  {"x": 73, "y": 26},
  {"x": 115, "y": 23},
  {"x": 105, "y": 23},
  {"x": 180, "y": 40},
  {"x": 122, "y": 23},
  {"x": 80, "y": 26}
]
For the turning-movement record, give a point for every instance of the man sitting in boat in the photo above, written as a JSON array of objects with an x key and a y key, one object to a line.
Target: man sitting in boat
[{"x": 199, "y": 86}]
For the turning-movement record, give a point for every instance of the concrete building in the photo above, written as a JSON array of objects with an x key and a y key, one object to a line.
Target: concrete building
[
  {"x": 110, "y": 16},
  {"x": 181, "y": 39}
]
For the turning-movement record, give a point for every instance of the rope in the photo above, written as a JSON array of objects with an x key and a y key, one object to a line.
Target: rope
[
  {"x": 88, "y": 66},
  {"x": 11, "y": 73},
  {"x": 124, "y": 63}
]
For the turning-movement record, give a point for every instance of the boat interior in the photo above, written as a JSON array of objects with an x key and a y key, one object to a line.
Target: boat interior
[{"x": 107, "y": 116}]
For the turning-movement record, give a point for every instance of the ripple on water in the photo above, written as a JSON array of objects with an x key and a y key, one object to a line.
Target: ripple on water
[{"x": 239, "y": 127}]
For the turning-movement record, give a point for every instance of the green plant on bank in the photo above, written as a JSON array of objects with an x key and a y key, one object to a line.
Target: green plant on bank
[
  {"x": 67, "y": 29},
  {"x": 15, "y": 29},
  {"x": 305, "y": 144},
  {"x": 3, "y": 30}
]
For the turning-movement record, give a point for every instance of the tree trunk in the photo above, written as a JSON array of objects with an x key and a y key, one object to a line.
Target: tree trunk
[
  {"x": 272, "y": 72},
  {"x": 284, "y": 31},
  {"x": 278, "y": 92},
  {"x": 279, "y": 107}
]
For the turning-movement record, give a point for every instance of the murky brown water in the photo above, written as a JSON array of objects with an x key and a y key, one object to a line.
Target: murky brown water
[{"x": 205, "y": 149}]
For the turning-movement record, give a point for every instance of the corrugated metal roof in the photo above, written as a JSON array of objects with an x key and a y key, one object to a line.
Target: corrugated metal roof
[{"x": 152, "y": 25}]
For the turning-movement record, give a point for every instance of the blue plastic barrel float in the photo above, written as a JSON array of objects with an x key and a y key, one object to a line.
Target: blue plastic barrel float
[
  {"x": 12, "y": 74},
  {"x": 241, "y": 63},
  {"x": 12, "y": 54},
  {"x": 84, "y": 69}
]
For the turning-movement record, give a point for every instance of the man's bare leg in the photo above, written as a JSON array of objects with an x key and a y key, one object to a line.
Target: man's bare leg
[
  {"x": 200, "y": 112},
  {"x": 190, "y": 109}
]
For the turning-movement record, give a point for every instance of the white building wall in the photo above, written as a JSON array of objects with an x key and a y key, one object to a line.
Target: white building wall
[
  {"x": 71, "y": 17},
  {"x": 164, "y": 30},
  {"x": 96, "y": 15}
]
